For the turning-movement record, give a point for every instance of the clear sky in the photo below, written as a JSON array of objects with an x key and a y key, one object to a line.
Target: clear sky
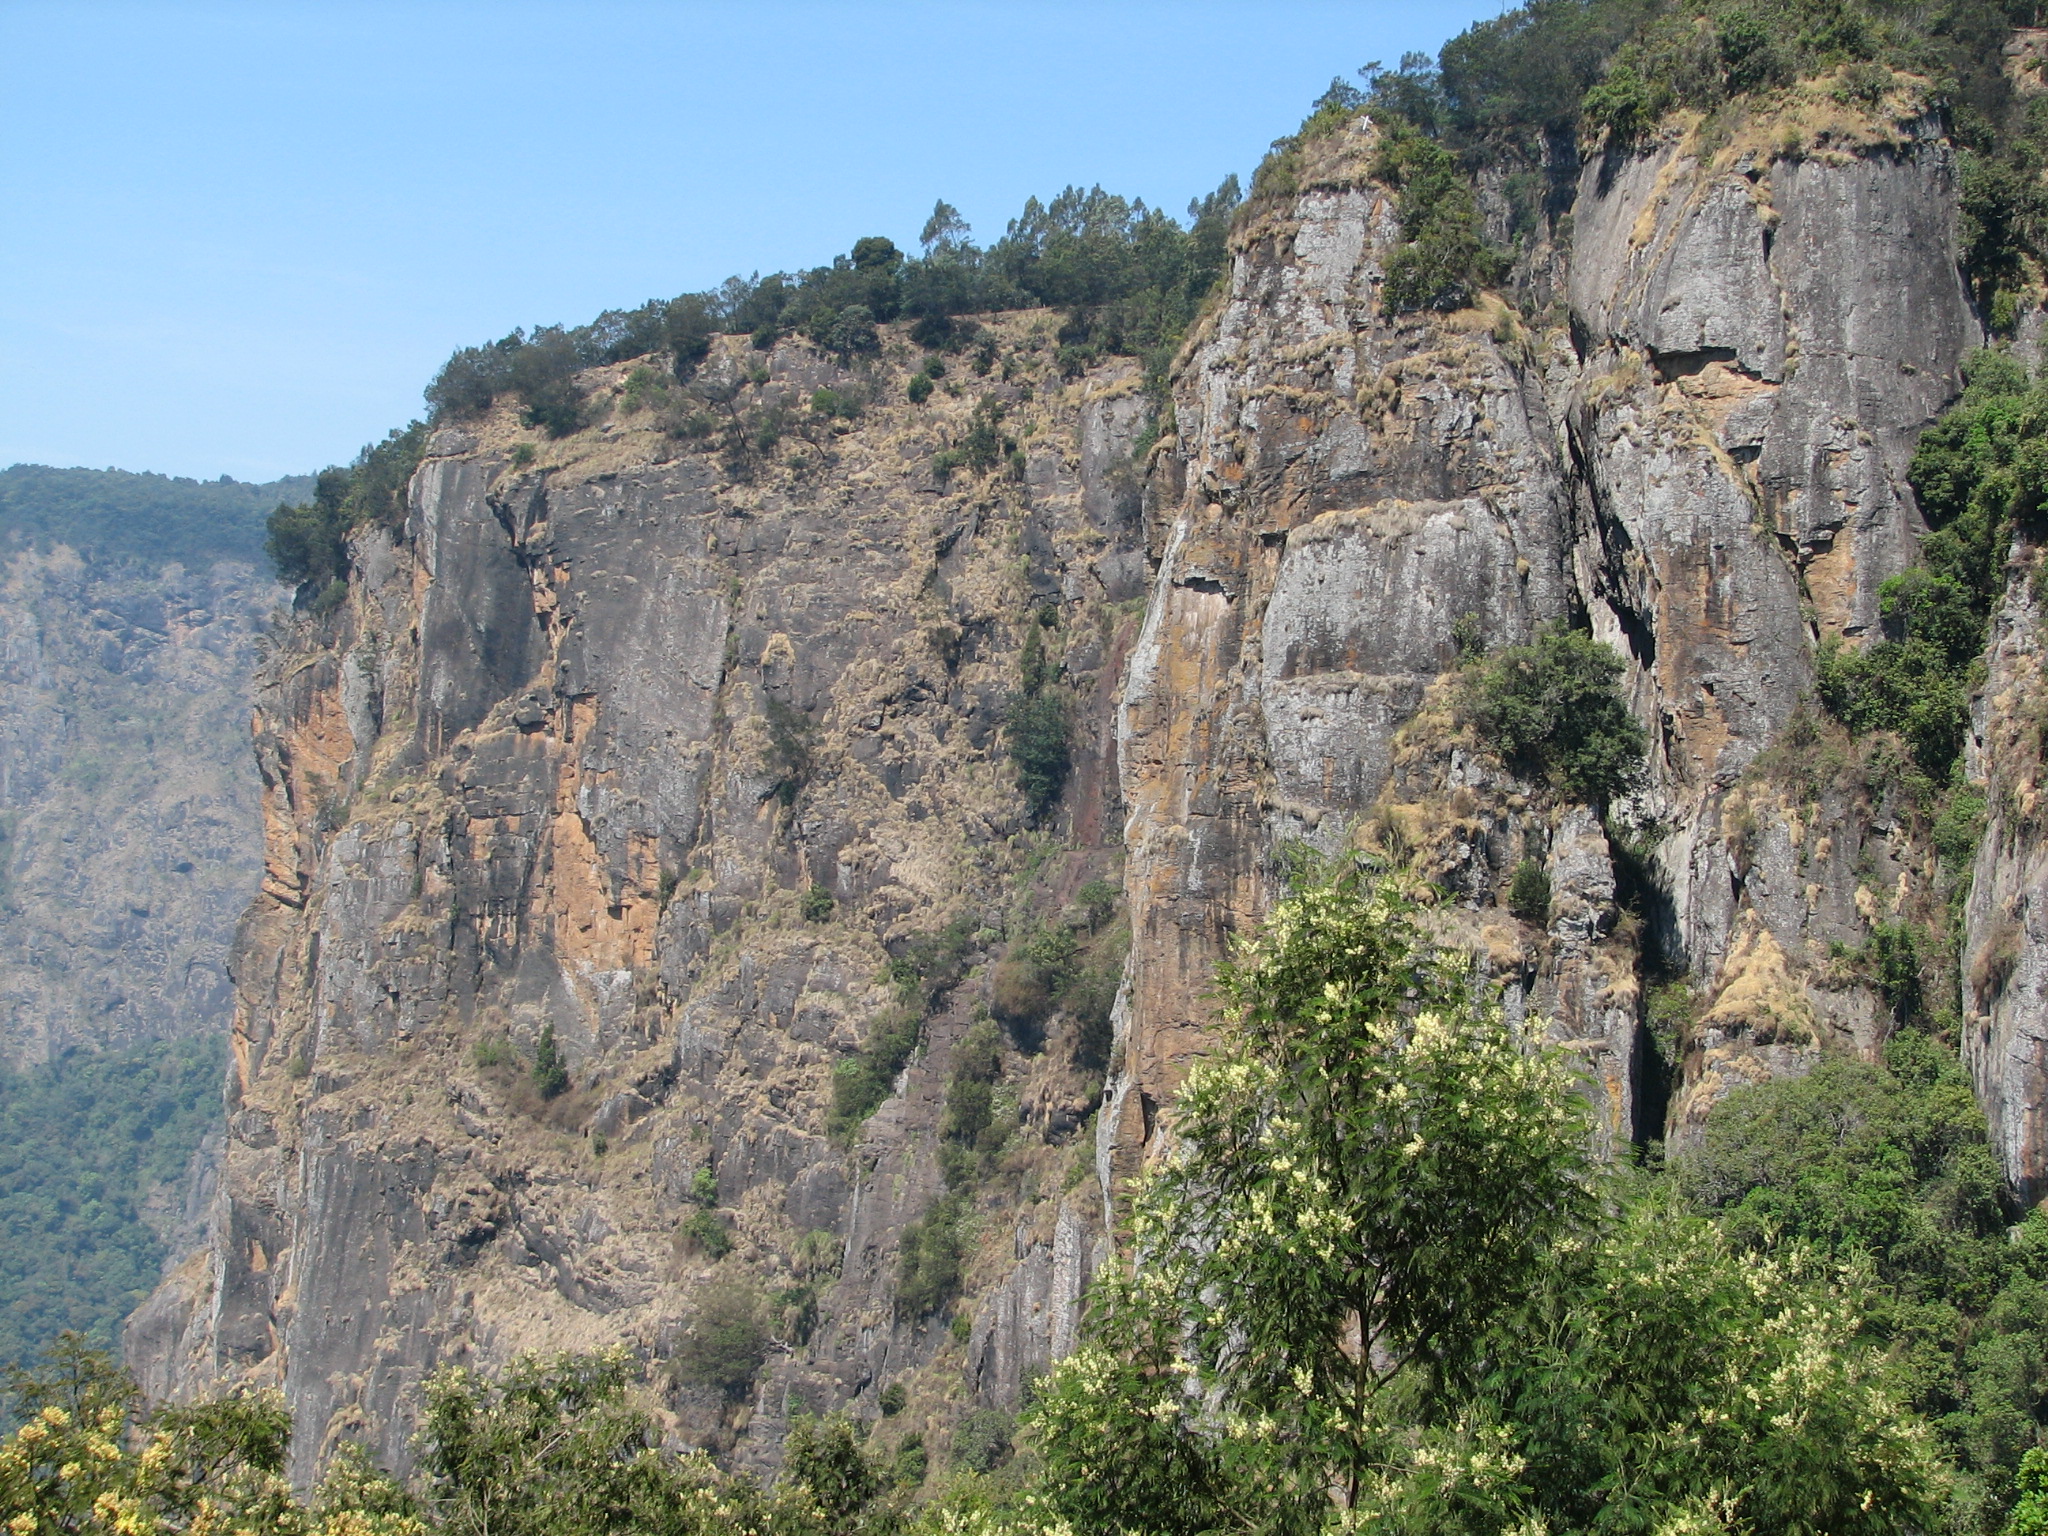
[{"x": 239, "y": 238}]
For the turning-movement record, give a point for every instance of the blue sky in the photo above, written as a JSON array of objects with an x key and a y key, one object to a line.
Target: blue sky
[{"x": 239, "y": 238}]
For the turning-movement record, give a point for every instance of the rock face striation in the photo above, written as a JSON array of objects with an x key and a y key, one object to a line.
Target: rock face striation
[
  {"x": 690, "y": 761},
  {"x": 128, "y": 802},
  {"x": 1703, "y": 458}
]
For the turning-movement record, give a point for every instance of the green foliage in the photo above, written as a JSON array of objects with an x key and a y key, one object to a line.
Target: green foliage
[
  {"x": 1529, "y": 893},
  {"x": 933, "y": 1257},
  {"x": 982, "y": 1442},
  {"x": 1442, "y": 263},
  {"x": 1099, "y": 899},
  {"x": 81, "y": 1462},
  {"x": 1902, "y": 686},
  {"x": 824, "y": 1458},
  {"x": 861, "y": 1083},
  {"x": 492, "y": 1051},
  {"x": 893, "y": 1399},
  {"x": 550, "y": 1073},
  {"x": 790, "y": 733},
  {"x": 919, "y": 388},
  {"x": 726, "y": 1341},
  {"x": 1037, "y": 727},
  {"x": 970, "y": 1135},
  {"x": 710, "y": 1235},
  {"x": 1552, "y": 709},
  {"x": 308, "y": 543},
  {"x": 552, "y": 1447},
  {"x": 84, "y": 1142},
  {"x": 1958, "y": 830},
  {"x": 113, "y": 514},
  {"x": 1624, "y": 106},
  {"x": 929, "y": 967},
  {"x": 1377, "y": 1267},
  {"x": 1130, "y": 278},
  {"x": 1980, "y": 472},
  {"x": 1889, "y": 1165},
  {"x": 1039, "y": 734},
  {"x": 704, "y": 1187},
  {"x": 2029, "y": 1515},
  {"x": 816, "y": 904}
]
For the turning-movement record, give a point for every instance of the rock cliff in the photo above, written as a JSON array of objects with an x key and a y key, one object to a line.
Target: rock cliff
[
  {"x": 667, "y": 756},
  {"x": 1701, "y": 455},
  {"x": 687, "y": 761}
]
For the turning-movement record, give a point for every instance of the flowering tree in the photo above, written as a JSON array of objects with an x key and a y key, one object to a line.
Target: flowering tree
[{"x": 1374, "y": 1289}]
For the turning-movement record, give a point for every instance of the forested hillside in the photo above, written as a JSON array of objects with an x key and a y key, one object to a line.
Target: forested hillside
[
  {"x": 116, "y": 514},
  {"x": 95, "y": 1150}
]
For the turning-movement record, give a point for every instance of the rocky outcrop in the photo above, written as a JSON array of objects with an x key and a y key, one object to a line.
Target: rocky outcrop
[
  {"x": 2005, "y": 935},
  {"x": 687, "y": 758},
  {"x": 128, "y": 815},
  {"x": 1706, "y": 463},
  {"x": 585, "y": 751}
]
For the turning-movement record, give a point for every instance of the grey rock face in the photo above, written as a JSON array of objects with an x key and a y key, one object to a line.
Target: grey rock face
[
  {"x": 566, "y": 761},
  {"x": 127, "y": 802},
  {"x": 1711, "y": 469}
]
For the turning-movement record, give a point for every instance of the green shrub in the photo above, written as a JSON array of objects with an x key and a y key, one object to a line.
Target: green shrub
[
  {"x": 1903, "y": 686},
  {"x": 893, "y": 1399},
  {"x": 824, "y": 1458},
  {"x": 704, "y": 1187},
  {"x": 834, "y": 404},
  {"x": 862, "y": 1082},
  {"x": 1552, "y": 709},
  {"x": 1099, "y": 899},
  {"x": 708, "y": 1233},
  {"x": 308, "y": 543},
  {"x": 816, "y": 904},
  {"x": 912, "y": 1462},
  {"x": 920, "y": 388},
  {"x": 969, "y": 1134},
  {"x": 985, "y": 444},
  {"x": 550, "y": 1075},
  {"x": 1529, "y": 893},
  {"x": 1624, "y": 106},
  {"x": 982, "y": 1441},
  {"x": 645, "y": 390},
  {"x": 934, "y": 1252},
  {"x": 492, "y": 1051},
  {"x": 790, "y": 733},
  {"x": 1979, "y": 472},
  {"x": 1889, "y": 1164},
  {"x": 1037, "y": 728},
  {"x": 726, "y": 1341},
  {"x": 1442, "y": 263},
  {"x": 1958, "y": 830}
]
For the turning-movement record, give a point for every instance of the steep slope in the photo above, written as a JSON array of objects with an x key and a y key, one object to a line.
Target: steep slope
[
  {"x": 572, "y": 760},
  {"x": 692, "y": 765},
  {"x": 1703, "y": 458}
]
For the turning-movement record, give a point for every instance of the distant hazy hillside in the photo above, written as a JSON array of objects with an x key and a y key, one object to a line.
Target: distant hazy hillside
[
  {"x": 118, "y": 513},
  {"x": 130, "y": 606}
]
